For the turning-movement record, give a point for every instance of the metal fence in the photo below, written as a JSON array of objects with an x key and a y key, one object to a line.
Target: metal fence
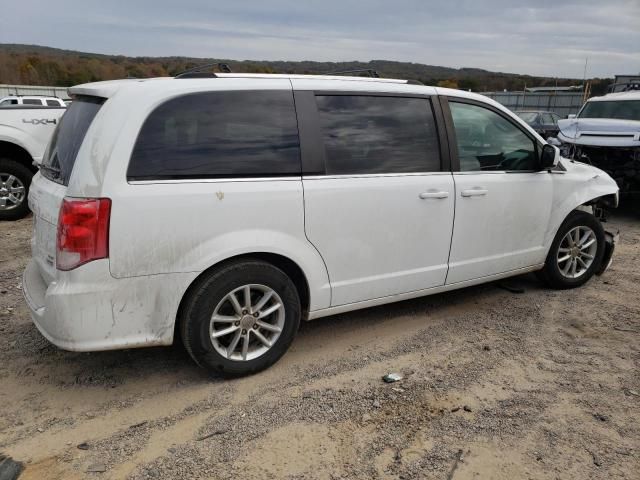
[
  {"x": 563, "y": 103},
  {"x": 60, "y": 92}
]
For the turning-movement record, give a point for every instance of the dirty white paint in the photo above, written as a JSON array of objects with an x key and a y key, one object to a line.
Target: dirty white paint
[{"x": 360, "y": 241}]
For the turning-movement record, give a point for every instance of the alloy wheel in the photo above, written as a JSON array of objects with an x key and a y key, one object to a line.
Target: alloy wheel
[
  {"x": 247, "y": 322},
  {"x": 577, "y": 251},
  {"x": 12, "y": 191}
]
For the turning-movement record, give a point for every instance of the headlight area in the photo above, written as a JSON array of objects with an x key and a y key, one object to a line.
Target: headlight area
[
  {"x": 621, "y": 163},
  {"x": 602, "y": 205}
]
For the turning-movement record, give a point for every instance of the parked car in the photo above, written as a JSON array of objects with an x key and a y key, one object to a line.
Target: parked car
[
  {"x": 31, "y": 100},
  {"x": 606, "y": 133},
  {"x": 226, "y": 210},
  {"x": 543, "y": 122},
  {"x": 25, "y": 131}
]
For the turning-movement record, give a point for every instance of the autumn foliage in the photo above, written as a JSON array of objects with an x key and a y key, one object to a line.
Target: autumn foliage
[{"x": 36, "y": 65}]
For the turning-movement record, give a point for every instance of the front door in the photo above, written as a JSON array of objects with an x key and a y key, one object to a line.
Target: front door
[
  {"x": 381, "y": 214},
  {"x": 503, "y": 200}
]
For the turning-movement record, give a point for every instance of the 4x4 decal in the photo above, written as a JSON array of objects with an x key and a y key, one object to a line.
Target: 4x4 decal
[{"x": 40, "y": 121}]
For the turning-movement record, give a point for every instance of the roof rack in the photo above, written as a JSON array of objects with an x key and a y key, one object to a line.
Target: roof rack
[
  {"x": 196, "y": 72},
  {"x": 372, "y": 73}
]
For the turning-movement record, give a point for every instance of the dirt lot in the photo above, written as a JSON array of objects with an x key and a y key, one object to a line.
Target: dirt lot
[{"x": 543, "y": 384}]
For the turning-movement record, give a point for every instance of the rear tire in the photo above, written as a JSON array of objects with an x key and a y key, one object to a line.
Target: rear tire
[
  {"x": 15, "y": 179},
  {"x": 260, "y": 330},
  {"x": 576, "y": 252}
]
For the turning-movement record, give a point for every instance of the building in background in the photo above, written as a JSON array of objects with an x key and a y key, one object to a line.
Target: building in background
[
  {"x": 560, "y": 100},
  {"x": 624, "y": 83}
]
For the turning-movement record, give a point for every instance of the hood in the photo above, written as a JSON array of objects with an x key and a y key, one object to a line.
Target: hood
[{"x": 604, "y": 132}]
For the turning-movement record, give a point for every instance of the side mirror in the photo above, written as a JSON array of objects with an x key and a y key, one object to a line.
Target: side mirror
[{"x": 550, "y": 157}]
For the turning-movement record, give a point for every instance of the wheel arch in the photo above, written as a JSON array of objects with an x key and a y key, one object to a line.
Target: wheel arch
[
  {"x": 13, "y": 151},
  {"x": 288, "y": 266},
  {"x": 605, "y": 199}
]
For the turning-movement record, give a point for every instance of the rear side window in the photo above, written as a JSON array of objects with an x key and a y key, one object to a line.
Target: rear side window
[
  {"x": 32, "y": 101},
  {"x": 219, "y": 134},
  {"x": 548, "y": 119},
  {"x": 369, "y": 134},
  {"x": 53, "y": 103},
  {"x": 67, "y": 138}
]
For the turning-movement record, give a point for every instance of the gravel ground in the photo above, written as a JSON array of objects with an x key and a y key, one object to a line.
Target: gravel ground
[{"x": 542, "y": 385}]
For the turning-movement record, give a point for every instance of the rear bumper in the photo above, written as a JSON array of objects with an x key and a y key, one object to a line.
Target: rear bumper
[
  {"x": 611, "y": 240},
  {"x": 88, "y": 310}
]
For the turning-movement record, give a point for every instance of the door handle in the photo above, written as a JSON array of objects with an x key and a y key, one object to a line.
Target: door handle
[
  {"x": 430, "y": 194},
  {"x": 474, "y": 192}
]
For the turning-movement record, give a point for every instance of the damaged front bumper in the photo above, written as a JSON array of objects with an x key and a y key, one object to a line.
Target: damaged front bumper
[{"x": 610, "y": 242}]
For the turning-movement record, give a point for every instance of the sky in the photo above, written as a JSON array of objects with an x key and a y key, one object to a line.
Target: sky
[{"x": 542, "y": 37}]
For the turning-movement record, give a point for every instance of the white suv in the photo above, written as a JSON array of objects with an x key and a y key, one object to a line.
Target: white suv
[{"x": 226, "y": 210}]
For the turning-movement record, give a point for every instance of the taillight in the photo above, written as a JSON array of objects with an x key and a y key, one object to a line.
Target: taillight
[{"x": 83, "y": 231}]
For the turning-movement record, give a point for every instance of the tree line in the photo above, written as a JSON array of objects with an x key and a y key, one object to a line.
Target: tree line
[{"x": 35, "y": 65}]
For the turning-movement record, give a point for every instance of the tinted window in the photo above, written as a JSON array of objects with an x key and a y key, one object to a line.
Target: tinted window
[
  {"x": 9, "y": 101},
  {"x": 364, "y": 134},
  {"x": 548, "y": 119},
  {"x": 529, "y": 117},
  {"x": 68, "y": 136},
  {"x": 621, "y": 110},
  {"x": 32, "y": 101},
  {"x": 487, "y": 141},
  {"x": 218, "y": 134},
  {"x": 53, "y": 103}
]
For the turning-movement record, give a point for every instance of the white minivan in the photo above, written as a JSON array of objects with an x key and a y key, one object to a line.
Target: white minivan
[{"x": 224, "y": 209}]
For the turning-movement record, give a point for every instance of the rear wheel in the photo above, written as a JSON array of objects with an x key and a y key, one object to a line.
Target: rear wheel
[
  {"x": 241, "y": 318},
  {"x": 15, "y": 179},
  {"x": 576, "y": 252}
]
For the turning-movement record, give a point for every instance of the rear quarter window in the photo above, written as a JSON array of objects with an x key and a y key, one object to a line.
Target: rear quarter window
[
  {"x": 219, "y": 134},
  {"x": 67, "y": 138}
]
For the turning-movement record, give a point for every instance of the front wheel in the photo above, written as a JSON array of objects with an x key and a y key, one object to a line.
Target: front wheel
[
  {"x": 576, "y": 252},
  {"x": 241, "y": 318}
]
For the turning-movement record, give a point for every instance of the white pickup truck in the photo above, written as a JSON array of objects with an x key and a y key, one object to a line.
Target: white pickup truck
[{"x": 25, "y": 131}]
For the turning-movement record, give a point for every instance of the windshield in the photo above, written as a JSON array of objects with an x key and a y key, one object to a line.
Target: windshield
[
  {"x": 528, "y": 117},
  {"x": 620, "y": 110},
  {"x": 68, "y": 136}
]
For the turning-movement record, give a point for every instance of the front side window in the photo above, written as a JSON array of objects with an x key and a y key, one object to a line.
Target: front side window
[
  {"x": 219, "y": 134},
  {"x": 53, "y": 103},
  {"x": 369, "y": 134},
  {"x": 9, "y": 101},
  {"x": 489, "y": 142}
]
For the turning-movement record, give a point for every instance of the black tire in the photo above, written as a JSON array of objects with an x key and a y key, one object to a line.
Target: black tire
[
  {"x": 203, "y": 298},
  {"x": 24, "y": 175},
  {"x": 551, "y": 274}
]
